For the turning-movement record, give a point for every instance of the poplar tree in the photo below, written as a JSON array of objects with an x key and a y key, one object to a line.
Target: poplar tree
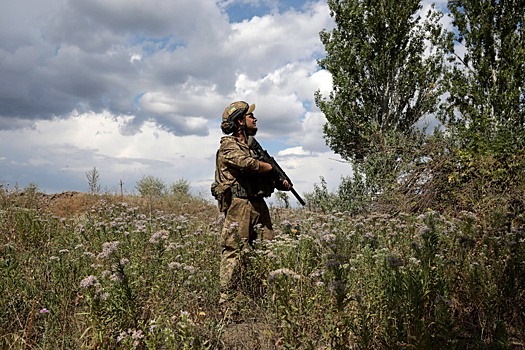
[
  {"x": 486, "y": 106},
  {"x": 385, "y": 72}
]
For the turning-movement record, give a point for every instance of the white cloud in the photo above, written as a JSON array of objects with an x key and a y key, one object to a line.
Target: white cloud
[
  {"x": 294, "y": 151},
  {"x": 137, "y": 88}
]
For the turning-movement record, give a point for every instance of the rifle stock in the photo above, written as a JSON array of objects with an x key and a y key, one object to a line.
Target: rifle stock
[{"x": 264, "y": 156}]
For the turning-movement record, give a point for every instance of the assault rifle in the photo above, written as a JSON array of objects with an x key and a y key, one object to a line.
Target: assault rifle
[{"x": 265, "y": 157}]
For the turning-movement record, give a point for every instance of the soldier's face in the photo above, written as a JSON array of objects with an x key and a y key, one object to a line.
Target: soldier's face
[{"x": 251, "y": 124}]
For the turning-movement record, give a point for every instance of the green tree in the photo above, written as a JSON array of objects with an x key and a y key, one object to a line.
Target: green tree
[
  {"x": 385, "y": 76},
  {"x": 180, "y": 188},
  {"x": 151, "y": 186},
  {"x": 486, "y": 107}
]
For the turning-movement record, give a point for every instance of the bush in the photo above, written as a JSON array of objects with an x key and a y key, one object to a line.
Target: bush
[
  {"x": 151, "y": 186},
  {"x": 180, "y": 188}
]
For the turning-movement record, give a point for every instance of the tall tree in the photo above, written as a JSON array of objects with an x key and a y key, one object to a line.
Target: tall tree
[
  {"x": 385, "y": 76},
  {"x": 486, "y": 107}
]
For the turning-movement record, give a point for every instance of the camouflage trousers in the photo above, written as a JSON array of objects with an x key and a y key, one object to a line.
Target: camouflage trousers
[{"x": 239, "y": 231}]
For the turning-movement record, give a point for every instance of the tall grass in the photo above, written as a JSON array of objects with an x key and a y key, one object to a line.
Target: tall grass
[{"x": 114, "y": 272}]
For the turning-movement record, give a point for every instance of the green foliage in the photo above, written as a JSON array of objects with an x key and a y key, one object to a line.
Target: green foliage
[
  {"x": 180, "y": 188},
  {"x": 321, "y": 198},
  {"x": 452, "y": 180},
  {"x": 283, "y": 199},
  {"x": 383, "y": 79},
  {"x": 151, "y": 186},
  {"x": 353, "y": 196},
  {"x": 485, "y": 109}
]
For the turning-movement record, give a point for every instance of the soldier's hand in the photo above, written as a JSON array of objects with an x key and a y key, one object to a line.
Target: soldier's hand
[{"x": 287, "y": 185}]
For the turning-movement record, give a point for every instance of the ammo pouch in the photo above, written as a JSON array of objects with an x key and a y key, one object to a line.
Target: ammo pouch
[
  {"x": 223, "y": 194},
  {"x": 239, "y": 192}
]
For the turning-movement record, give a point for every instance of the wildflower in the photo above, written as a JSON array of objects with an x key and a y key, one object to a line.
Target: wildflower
[
  {"x": 116, "y": 277},
  {"x": 328, "y": 238},
  {"x": 174, "y": 265},
  {"x": 108, "y": 248},
  {"x": 370, "y": 235},
  {"x": 124, "y": 261},
  {"x": 89, "y": 281},
  {"x": 317, "y": 274},
  {"x": 189, "y": 268},
  {"x": 152, "y": 326},
  {"x": 137, "y": 334},
  {"x": 141, "y": 228},
  {"x": 159, "y": 236},
  {"x": 103, "y": 296},
  {"x": 283, "y": 272},
  {"x": 414, "y": 261},
  {"x": 123, "y": 335},
  {"x": 44, "y": 311}
]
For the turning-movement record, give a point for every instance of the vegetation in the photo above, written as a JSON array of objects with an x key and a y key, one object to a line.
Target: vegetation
[
  {"x": 93, "y": 179},
  {"x": 151, "y": 186},
  {"x": 387, "y": 68},
  {"x": 385, "y": 79},
  {"x": 111, "y": 272},
  {"x": 422, "y": 248},
  {"x": 485, "y": 109}
]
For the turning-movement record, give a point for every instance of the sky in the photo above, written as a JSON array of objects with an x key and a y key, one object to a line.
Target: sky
[{"x": 137, "y": 88}]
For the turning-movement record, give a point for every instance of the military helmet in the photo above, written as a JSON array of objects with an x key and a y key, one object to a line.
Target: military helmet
[{"x": 235, "y": 110}]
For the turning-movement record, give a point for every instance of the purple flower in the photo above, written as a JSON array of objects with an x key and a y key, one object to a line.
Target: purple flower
[
  {"x": 89, "y": 281},
  {"x": 44, "y": 311},
  {"x": 283, "y": 272},
  {"x": 159, "y": 236},
  {"x": 108, "y": 248}
]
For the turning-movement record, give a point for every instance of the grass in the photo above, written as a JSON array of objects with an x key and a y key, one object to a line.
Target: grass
[{"x": 112, "y": 272}]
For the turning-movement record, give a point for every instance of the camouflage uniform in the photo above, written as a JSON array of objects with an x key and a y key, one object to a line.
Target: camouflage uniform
[{"x": 240, "y": 190}]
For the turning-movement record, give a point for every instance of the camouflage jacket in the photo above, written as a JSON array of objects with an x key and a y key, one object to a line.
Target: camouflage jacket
[{"x": 237, "y": 170}]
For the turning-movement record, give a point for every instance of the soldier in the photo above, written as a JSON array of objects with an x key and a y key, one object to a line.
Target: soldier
[{"x": 241, "y": 184}]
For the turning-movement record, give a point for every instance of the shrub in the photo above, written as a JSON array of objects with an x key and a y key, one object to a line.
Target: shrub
[
  {"x": 180, "y": 188},
  {"x": 151, "y": 186}
]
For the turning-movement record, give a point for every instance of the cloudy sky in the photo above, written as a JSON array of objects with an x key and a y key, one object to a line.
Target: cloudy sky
[{"x": 137, "y": 88}]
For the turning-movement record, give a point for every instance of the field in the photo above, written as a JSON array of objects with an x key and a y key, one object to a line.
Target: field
[{"x": 81, "y": 271}]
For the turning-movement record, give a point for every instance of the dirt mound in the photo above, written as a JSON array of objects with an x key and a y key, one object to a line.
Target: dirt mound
[{"x": 60, "y": 204}]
